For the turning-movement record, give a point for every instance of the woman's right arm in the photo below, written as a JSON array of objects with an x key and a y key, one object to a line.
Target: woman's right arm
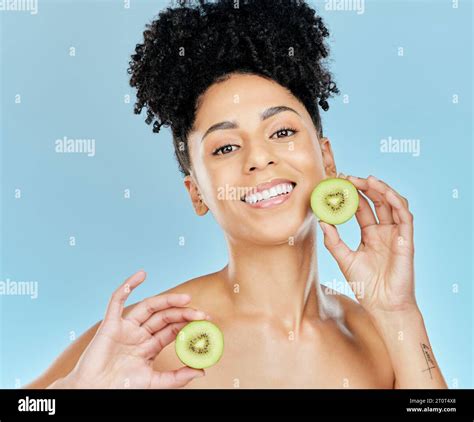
[
  {"x": 119, "y": 351},
  {"x": 66, "y": 361}
]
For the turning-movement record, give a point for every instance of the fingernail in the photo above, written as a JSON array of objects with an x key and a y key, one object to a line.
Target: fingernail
[
  {"x": 208, "y": 317},
  {"x": 199, "y": 314},
  {"x": 199, "y": 374}
]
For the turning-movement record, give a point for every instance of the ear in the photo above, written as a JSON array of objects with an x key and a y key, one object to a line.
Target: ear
[
  {"x": 196, "y": 198},
  {"x": 328, "y": 157}
]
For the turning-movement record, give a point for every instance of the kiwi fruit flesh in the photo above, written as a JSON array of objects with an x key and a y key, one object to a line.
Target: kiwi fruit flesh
[
  {"x": 335, "y": 200},
  {"x": 199, "y": 344}
]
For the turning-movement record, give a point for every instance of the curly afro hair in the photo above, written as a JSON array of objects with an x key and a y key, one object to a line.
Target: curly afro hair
[{"x": 198, "y": 43}]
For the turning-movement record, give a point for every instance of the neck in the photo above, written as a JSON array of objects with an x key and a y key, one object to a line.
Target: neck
[{"x": 275, "y": 280}]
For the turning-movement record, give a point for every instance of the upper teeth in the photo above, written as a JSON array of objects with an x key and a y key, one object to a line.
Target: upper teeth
[{"x": 282, "y": 188}]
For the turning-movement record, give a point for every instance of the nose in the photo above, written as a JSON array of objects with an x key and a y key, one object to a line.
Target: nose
[{"x": 258, "y": 158}]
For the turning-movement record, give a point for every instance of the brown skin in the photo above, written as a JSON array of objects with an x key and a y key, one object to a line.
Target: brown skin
[
  {"x": 343, "y": 351},
  {"x": 262, "y": 350},
  {"x": 281, "y": 328}
]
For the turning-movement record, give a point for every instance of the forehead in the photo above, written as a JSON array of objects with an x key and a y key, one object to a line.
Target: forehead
[{"x": 241, "y": 97}]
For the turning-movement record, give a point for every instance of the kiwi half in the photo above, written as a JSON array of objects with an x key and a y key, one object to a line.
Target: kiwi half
[
  {"x": 334, "y": 200},
  {"x": 199, "y": 344}
]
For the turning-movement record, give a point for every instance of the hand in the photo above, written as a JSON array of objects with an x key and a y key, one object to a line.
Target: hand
[
  {"x": 382, "y": 265},
  {"x": 121, "y": 353}
]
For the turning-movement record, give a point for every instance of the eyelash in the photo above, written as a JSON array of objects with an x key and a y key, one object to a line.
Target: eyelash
[{"x": 216, "y": 151}]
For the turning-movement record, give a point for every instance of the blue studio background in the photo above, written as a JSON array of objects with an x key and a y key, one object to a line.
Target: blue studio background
[{"x": 404, "y": 69}]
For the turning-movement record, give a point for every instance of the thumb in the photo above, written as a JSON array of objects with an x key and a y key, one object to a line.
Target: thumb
[
  {"x": 335, "y": 245},
  {"x": 175, "y": 379}
]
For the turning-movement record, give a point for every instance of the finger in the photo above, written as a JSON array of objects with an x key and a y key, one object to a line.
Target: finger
[
  {"x": 161, "y": 319},
  {"x": 404, "y": 215},
  {"x": 382, "y": 207},
  {"x": 115, "y": 306},
  {"x": 175, "y": 379},
  {"x": 147, "y": 307},
  {"x": 161, "y": 339},
  {"x": 336, "y": 246},
  {"x": 375, "y": 192},
  {"x": 404, "y": 200},
  {"x": 364, "y": 214},
  {"x": 380, "y": 184}
]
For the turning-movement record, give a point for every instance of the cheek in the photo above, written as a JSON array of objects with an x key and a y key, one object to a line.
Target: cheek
[
  {"x": 219, "y": 187},
  {"x": 306, "y": 158}
]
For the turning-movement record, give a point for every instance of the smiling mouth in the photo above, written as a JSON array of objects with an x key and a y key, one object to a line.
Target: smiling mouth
[{"x": 269, "y": 194}]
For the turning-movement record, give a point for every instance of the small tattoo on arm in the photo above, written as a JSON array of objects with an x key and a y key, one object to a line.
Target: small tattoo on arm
[{"x": 428, "y": 359}]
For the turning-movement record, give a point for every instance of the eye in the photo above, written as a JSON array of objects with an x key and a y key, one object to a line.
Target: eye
[
  {"x": 226, "y": 149},
  {"x": 285, "y": 132}
]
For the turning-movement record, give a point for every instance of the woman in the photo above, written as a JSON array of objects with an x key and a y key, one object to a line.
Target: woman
[{"x": 239, "y": 84}]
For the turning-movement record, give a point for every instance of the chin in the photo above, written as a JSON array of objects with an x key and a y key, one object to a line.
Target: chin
[{"x": 275, "y": 231}]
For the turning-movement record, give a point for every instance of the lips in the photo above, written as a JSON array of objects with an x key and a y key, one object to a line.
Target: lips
[
  {"x": 270, "y": 193},
  {"x": 268, "y": 185}
]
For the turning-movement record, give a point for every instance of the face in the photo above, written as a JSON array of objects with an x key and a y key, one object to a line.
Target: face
[{"x": 256, "y": 158}]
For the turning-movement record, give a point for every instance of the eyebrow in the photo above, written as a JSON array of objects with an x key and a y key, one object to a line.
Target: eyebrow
[{"x": 266, "y": 114}]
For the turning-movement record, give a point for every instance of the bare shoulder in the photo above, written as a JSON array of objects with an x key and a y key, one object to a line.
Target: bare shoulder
[
  {"x": 206, "y": 295},
  {"x": 200, "y": 289},
  {"x": 357, "y": 320},
  {"x": 204, "y": 291},
  {"x": 359, "y": 323}
]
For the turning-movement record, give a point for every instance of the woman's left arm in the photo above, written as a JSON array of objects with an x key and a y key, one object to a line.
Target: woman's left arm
[{"x": 381, "y": 273}]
